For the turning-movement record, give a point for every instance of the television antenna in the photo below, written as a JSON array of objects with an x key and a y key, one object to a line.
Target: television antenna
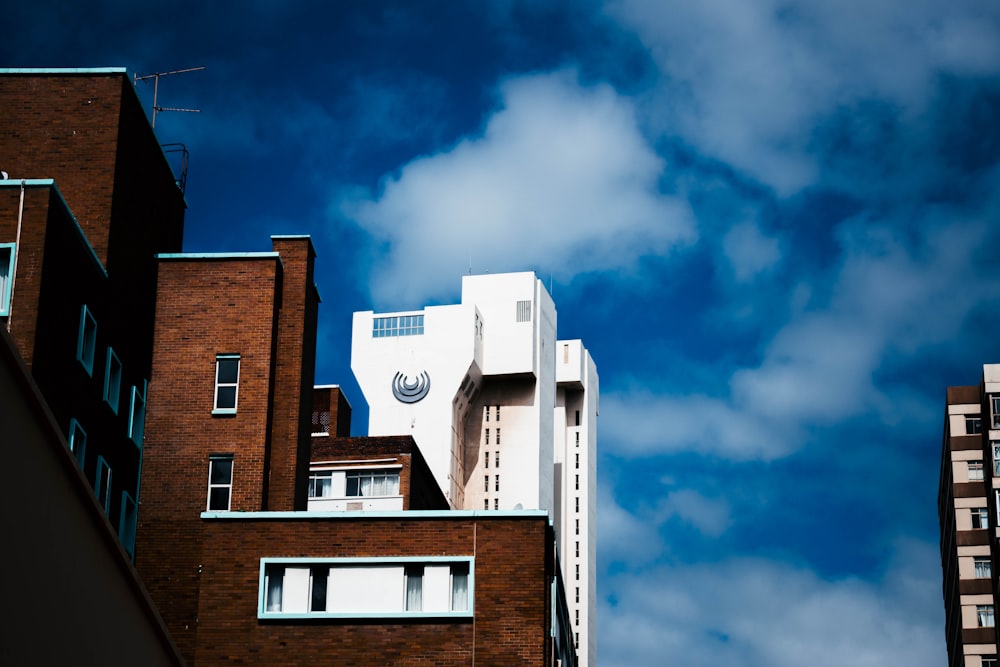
[{"x": 156, "y": 88}]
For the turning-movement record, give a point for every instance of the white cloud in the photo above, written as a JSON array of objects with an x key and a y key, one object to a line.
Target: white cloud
[
  {"x": 561, "y": 181},
  {"x": 765, "y": 613},
  {"x": 709, "y": 515},
  {"x": 748, "y": 83},
  {"x": 749, "y": 252},
  {"x": 623, "y": 537}
]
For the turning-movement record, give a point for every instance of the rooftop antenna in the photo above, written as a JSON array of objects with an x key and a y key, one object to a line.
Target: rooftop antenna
[{"x": 156, "y": 88}]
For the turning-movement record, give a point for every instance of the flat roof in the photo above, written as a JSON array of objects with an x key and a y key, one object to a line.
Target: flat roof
[{"x": 63, "y": 70}]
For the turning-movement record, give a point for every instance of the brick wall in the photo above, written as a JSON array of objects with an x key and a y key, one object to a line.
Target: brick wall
[{"x": 511, "y": 593}]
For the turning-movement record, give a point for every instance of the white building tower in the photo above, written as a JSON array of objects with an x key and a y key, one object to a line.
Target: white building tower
[{"x": 503, "y": 412}]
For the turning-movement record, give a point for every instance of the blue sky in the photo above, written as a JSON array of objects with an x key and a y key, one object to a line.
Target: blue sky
[{"x": 774, "y": 224}]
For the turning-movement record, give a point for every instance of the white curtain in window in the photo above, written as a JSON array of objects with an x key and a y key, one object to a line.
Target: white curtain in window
[
  {"x": 275, "y": 577},
  {"x": 985, "y": 613},
  {"x": 983, "y": 568},
  {"x": 414, "y": 589},
  {"x": 380, "y": 484},
  {"x": 459, "y": 590}
]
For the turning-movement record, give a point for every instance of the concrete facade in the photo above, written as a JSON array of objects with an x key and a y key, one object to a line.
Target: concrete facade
[
  {"x": 504, "y": 412},
  {"x": 968, "y": 505}
]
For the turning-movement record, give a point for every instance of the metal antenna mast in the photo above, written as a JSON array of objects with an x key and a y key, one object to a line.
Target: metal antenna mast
[{"x": 156, "y": 88}]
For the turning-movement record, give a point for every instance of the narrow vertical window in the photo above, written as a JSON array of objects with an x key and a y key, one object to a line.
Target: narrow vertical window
[
  {"x": 498, "y": 436},
  {"x": 995, "y": 410},
  {"x": 77, "y": 441},
  {"x": 578, "y": 504},
  {"x": 498, "y": 413},
  {"x": 486, "y": 480},
  {"x": 220, "y": 483},
  {"x": 577, "y": 482},
  {"x": 126, "y": 526},
  {"x": 577, "y": 526},
  {"x": 486, "y": 410},
  {"x": 227, "y": 378},
  {"x": 86, "y": 342},
  {"x": 577, "y": 438},
  {"x": 486, "y": 503},
  {"x": 577, "y": 461},
  {"x": 460, "y": 587},
  {"x": 414, "y": 587},
  {"x": 318, "y": 577},
  {"x": 274, "y": 579},
  {"x": 496, "y": 460},
  {"x": 496, "y": 503},
  {"x": 6, "y": 276},
  {"x": 486, "y": 459},
  {"x": 498, "y": 482},
  {"x": 102, "y": 486},
  {"x": 137, "y": 415},
  {"x": 984, "y": 613},
  {"x": 984, "y": 567},
  {"x": 577, "y": 417},
  {"x": 112, "y": 380},
  {"x": 487, "y": 441}
]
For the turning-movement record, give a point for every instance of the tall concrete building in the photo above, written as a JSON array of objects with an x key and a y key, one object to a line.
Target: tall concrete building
[
  {"x": 969, "y": 511},
  {"x": 504, "y": 412}
]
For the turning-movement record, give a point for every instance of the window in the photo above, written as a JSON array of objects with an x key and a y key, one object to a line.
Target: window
[
  {"x": 984, "y": 612},
  {"x": 973, "y": 425},
  {"x": 227, "y": 380},
  {"x": 427, "y": 587},
  {"x": 102, "y": 485},
  {"x": 498, "y": 413},
  {"x": 578, "y": 594},
  {"x": 77, "y": 441},
  {"x": 137, "y": 415},
  {"x": 577, "y": 482},
  {"x": 577, "y": 461},
  {"x": 486, "y": 459},
  {"x": 368, "y": 483},
  {"x": 578, "y": 548},
  {"x": 975, "y": 471},
  {"x": 497, "y": 480},
  {"x": 486, "y": 411},
  {"x": 984, "y": 568},
  {"x": 577, "y": 526},
  {"x": 86, "y": 342},
  {"x": 487, "y": 440},
  {"x": 6, "y": 276},
  {"x": 321, "y": 484},
  {"x": 577, "y": 423},
  {"x": 220, "y": 482},
  {"x": 496, "y": 459},
  {"x": 398, "y": 325},
  {"x": 486, "y": 503},
  {"x": 524, "y": 311},
  {"x": 496, "y": 503},
  {"x": 577, "y": 617},
  {"x": 980, "y": 517},
  {"x": 486, "y": 483},
  {"x": 578, "y": 504},
  {"x": 112, "y": 380},
  {"x": 989, "y": 662},
  {"x": 578, "y": 572},
  {"x": 995, "y": 409},
  {"x": 996, "y": 457},
  {"x": 577, "y": 438},
  {"x": 498, "y": 436},
  {"x": 126, "y": 526}
]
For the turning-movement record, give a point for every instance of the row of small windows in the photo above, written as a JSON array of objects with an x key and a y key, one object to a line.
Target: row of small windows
[
  {"x": 496, "y": 479},
  {"x": 331, "y": 588},
  {"x": 496, "y": 412},
  {"x": 357, "y": 483},
  {"x": 486, "y": 503},
  {"x": 77, "y": 442},
  {"x": 398, "y": 325},
  {"x": 486, "y": 437},
  {"x": 86, "y": 354}
]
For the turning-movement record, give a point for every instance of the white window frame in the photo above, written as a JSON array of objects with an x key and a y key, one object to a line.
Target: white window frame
[
  {"x": 975, "y": 471},
  {"x": 235, "y": 386},
  {"x": 985, "y": 615},
  {"x": 983, "y": 515},
  {"x": 113, "y": 380},
  {"x": 358, "y": 473},
  {"x": 316, "y": 475},
  {"x": 6, "y": 277},
  {"x": 465, "y": 564},
  {"x": 86, "y": 340},
  {"x": 228, "y": 485},
  {"x": 983, "y": 567},
  {"x": 973, "y": 425}
]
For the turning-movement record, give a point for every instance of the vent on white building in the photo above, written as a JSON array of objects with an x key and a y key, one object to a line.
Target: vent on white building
[{"x": 524, "y": 311}]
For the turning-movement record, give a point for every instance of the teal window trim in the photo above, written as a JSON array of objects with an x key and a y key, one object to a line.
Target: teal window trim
[
  {"x": 7, "y": 252},
  {"x": 77, "y": 441},
  {"x": 127, "y": 523},
  {"x": 227, "y": 388},
  {"x": 137, "y": 415},
  {"x": 86, "y": 342},
  {"x": 112, "y": 380},
  {"x": 464, "y": 562},
  {"x": 102, "y": 485}
]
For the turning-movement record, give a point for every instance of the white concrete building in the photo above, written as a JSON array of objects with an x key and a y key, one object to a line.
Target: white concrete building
[{"x": 504, "y": 413}]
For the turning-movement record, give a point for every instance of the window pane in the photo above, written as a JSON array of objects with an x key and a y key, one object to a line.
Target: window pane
[
  {"x": 229, "y": 370},
  {"x": 218, "y": 499},
  {"x": 222, "y": 471},
  {"x": 319, "y": 579},
  {"x": 414, "y": 588},
  {"x": 275, "y": 576},
  {"x": 226, "y": 398}
]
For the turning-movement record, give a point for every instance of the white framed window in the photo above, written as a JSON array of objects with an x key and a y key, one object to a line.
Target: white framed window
[
  {"x": 126, "y": 525},
  {"x": 227, "y": 382},
  {"x": 984, "y": 567},
  {"x": 77, "y": 441},
  {"x": 137, "y": 415},
  {"x": 112, "y": 380},
  {"x": 401, "y": 587},
  {"x": 371, "y": 483},
  {"x": 86, "y": 341},
  {"x": 220, "y": 482},
  {"x": 996, "y": 457},
  {"x": 397, "y": 325},
  {"x": 995, "y": 410},
  {"x": 321, "y": 484},
  {"x": 984, "y": 613},
  {"x": 973, "y": 425},
  {"x": 989, "y": 662},
  {"x": 975, "y": 471},
  {"x": 102, "y": 484},
  {"x": 980, "y": 517},
  {"x": 6, "y": 276}
]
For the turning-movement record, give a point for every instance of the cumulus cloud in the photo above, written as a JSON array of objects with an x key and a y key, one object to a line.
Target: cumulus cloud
[
  {"x": 759, "y": 612},
  {"x": 561, "y": 181},
  {"x": 749, "y": 83},
  {"x": 749, "y": 252}
]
